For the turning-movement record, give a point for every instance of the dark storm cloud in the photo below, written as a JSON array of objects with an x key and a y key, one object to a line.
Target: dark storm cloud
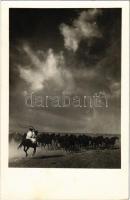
[{"x": 60, "y": 52}]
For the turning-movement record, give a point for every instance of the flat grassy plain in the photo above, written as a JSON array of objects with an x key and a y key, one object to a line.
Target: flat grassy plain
[{"x": 98, "y": 158}]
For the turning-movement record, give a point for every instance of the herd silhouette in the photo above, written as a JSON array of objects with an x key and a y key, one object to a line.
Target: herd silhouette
[
  {"x": 70, "y": 142},
  {"x": 75, "y": 143}
]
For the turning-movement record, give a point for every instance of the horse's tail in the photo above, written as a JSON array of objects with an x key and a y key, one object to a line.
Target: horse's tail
[{"x": 21, "y": 144}]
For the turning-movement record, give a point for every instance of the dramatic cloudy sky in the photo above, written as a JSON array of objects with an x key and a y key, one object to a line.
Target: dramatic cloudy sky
[{"x": 65, "y": 52}]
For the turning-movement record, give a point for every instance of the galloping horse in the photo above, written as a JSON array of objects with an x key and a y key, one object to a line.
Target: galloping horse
[{"x": 27, "y": 143}]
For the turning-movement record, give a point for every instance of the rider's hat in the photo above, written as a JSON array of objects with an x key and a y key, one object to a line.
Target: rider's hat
[{"x": 31, "y": 128}]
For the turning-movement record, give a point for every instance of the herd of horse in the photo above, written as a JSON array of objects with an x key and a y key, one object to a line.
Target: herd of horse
[
  {"x": 68, "y": 142},
  {"x": 73, "y": 142}
]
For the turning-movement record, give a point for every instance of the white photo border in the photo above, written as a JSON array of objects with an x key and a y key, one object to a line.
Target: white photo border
[{"x": 64, "y": 184}]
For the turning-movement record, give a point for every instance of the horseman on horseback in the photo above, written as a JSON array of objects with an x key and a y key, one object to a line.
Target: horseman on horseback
[
  {"x": 32, "y": 135},
  {"x": 29, "y": 140}
]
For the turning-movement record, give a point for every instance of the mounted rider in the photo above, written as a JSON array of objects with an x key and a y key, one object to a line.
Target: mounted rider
[
  {"x": 29, "y": 140},
  {"x": 31, "y": 135}
]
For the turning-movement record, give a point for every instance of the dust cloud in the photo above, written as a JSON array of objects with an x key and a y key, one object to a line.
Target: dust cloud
[{"x": 15, "y": 153}]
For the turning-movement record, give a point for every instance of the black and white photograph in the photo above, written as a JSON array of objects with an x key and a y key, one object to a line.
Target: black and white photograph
[
  {"x": 65, "y": 87},
  {"x": 64, "y": 100}
]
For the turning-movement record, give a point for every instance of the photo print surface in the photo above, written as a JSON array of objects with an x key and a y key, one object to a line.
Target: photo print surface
[{"x": 65, "y": 88}]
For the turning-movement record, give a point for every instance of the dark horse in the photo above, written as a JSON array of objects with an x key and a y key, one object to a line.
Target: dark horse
[{"x": 26, "y": 143}]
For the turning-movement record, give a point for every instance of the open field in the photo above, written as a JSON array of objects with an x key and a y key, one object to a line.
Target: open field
[{"x": 98, "y": 158}]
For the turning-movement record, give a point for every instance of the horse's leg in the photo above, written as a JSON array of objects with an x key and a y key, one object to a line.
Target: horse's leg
[
  {"x": 26, "y": 150},
  {"x": 20, "y": 145},
  {"x": 34, "y": 151}
]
